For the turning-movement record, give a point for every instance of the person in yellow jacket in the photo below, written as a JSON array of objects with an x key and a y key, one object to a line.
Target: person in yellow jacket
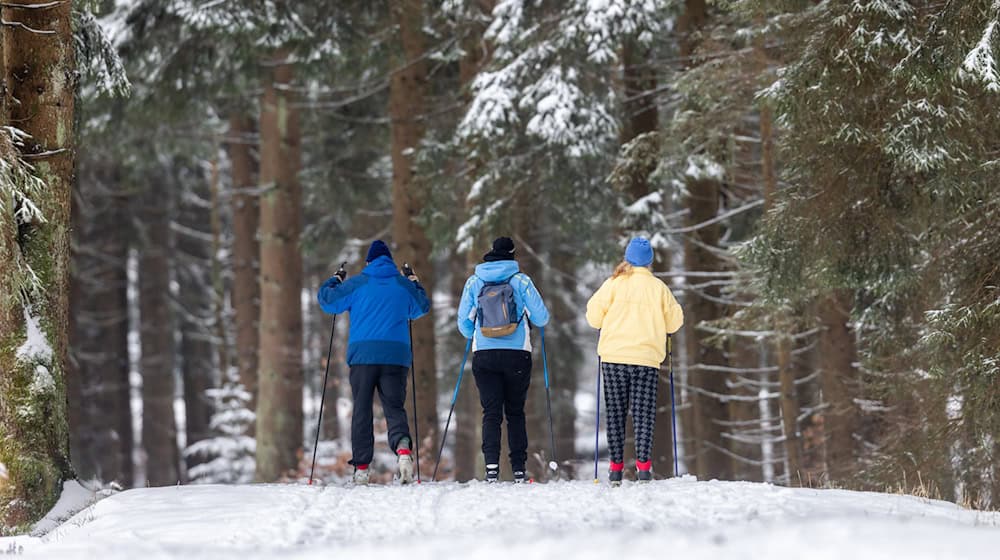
[{"x": 635, "y": 312}]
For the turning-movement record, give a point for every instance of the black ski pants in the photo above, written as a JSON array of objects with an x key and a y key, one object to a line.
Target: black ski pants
[
  {"x": 503, "y": 378},
  {"x": 390, "y": 381}
]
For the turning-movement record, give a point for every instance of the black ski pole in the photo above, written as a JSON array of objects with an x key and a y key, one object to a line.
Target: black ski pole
[
  {"x": 326, "y": 376},
  {"x": 416, "y": 422},
  {"x": 408, "y": 272},
  {"x": 553, "y": 465},
  {"x": 454, "y": 399}
]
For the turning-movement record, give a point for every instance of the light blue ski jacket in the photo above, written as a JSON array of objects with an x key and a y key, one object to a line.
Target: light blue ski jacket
[{"x": 529, "y": 306}]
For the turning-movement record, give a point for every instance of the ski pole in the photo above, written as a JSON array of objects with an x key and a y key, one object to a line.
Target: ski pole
[
  {"x": 673, "y": 408},
  {"x": 597, "y": 421},
  {"x": 553, "y": 465},
  {"x": 326, "y": 377},
  {"x": 408, "y": 272},
  {"x": 416, "y": 422},
  {"x": 454, "y": 399}
]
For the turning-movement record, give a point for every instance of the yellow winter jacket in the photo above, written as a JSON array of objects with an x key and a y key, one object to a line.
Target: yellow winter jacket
[{"x": 635, "y": 312}]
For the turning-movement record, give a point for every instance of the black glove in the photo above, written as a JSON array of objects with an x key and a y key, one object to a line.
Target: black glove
[
  {"x": 341, "y": 272},
  {"x": 409, "y": 274}
]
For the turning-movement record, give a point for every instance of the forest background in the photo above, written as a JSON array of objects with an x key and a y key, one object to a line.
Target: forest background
[{"x": 177, "y": 178}]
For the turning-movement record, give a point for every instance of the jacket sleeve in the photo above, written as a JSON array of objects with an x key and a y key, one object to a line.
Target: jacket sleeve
[
  {"x": 466, "y": 306},
  {"x": 335, "y": 296},
  {"x": 672, "y": 312},
  {"x": 598, "y": 305},
  {"x": 538, "y": 314},
  {"x": 420, "y": 304}
]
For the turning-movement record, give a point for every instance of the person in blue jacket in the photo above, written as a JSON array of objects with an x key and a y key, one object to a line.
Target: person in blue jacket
[
  {"x": 381, "y": 302},
  {"x": 502, "y": 365}
]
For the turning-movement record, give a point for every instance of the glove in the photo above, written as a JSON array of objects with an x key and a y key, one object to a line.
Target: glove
[
  {"x": 341, "y": 272},
  {"x": 409, "y": 274}
]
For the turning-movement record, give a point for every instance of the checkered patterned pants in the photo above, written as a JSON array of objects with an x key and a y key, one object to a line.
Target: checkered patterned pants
[{"x": 623, "y": 384}]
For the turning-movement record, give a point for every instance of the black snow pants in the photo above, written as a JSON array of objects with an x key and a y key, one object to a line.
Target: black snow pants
[
  {"x": 390, "y": 381},
  {"x": 636, "y": 385},
  {"x": 503, "y": 378}
]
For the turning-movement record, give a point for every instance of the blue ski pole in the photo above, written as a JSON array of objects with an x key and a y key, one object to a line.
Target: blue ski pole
[
  {"x": 597, "y": 416},
  {"x": 454, "y": 399},
  {"x": 673, "y": 408}
]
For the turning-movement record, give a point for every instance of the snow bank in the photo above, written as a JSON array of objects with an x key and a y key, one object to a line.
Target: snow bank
[
  {"x": 679, "y": 518},
  {"x": 74, "y": 498}
]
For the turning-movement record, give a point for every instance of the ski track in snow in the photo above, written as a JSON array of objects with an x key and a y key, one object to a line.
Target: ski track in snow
[{"x": 676, "y": 518}]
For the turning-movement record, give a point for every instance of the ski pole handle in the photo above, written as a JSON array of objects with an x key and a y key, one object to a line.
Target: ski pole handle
[{"x": 341, "y": 272}]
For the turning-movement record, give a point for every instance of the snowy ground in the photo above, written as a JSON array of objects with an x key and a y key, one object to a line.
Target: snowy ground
[{"x": 680, "y": 518}]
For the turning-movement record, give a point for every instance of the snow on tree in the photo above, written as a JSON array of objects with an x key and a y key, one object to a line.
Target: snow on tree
[{"x": 228, "y": 457}]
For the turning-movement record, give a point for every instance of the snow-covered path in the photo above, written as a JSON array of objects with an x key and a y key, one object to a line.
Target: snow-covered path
[{"x": 678, "y": 518}]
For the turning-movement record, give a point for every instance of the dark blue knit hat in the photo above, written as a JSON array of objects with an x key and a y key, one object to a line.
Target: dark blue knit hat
[
  {"x": 378, "y": 249},
  {"x": 639, "y": 252}
]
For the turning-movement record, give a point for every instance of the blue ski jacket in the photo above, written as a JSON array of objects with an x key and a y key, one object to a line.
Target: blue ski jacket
[
  {"x": 381, "y": 302},
  {"x": 530, "y": 307}
]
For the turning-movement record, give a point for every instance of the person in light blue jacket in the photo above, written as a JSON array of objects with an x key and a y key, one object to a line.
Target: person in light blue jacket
[{"x": 502, "y": 364}]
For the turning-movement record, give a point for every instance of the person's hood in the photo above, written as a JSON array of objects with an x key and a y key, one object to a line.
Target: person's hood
[
  {"x": 381, "y": 267},
  {"x": 496, "y": 271}
]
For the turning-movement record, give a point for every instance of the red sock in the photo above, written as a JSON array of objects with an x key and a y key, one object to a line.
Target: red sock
[
  {"x": 617, "y": 467},
  {"x": 403, "y": 451},
  {"x": 643, "y": 465},
  {"x": 361, "y": 467}
]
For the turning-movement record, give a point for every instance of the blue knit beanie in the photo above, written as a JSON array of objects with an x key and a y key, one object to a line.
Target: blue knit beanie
[
  {"x": 638, "y": 252},
  {"x": 378, "y": 249}
]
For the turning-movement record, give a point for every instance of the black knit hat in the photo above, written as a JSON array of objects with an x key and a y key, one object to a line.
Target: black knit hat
[{"x": 503, "y": 250}]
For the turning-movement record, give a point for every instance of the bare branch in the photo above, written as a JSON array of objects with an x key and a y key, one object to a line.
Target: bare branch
[
  {"x": 45, "y": 6},
  {"x": 42, "y": 155},
  {"x": 719, "y": 218},
  {"x": 19, "y": 25}
]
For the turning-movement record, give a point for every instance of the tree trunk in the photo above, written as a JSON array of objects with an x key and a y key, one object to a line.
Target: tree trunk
[
  {"x": 641, "y": 113},
  {"x": 564, "y": 357},
  {"x": 194, "y": 258},
  {"x": 39, "y": 71},
  {"x": 468, "y": 413},
  {"x": 246, "y": 252},
  {"x": 98, "y": 379},
  {"x": 279, "y": 406},
  {"x": 837, "y": 355},
  {"x": 709, "y": 409},
  {"x": 407, "y": 106},
  {"x": 789, "y": 409},
  {"x": 156, "y": 334},
  {"x": 703, "y": 202},
  {"x": 745, "y": 413}
]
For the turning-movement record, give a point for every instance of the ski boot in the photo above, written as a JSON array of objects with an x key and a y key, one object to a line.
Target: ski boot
[
  {"x": 492, "y": 473},
  {"x": 643, "y": 470},
  {"x": 615, "y": 474},
  {"x": 361, "y": 476},
  {"x": 519, "y": 477},
  {"x": 615, "y": 478},
  {"x": 405, "y": 461}
]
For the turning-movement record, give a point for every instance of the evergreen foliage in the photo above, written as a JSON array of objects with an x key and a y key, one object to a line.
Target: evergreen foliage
[{"x": 227, "y": 458}]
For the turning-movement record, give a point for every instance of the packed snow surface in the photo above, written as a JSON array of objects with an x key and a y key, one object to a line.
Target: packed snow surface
[{"x": 678, "y": 518}]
